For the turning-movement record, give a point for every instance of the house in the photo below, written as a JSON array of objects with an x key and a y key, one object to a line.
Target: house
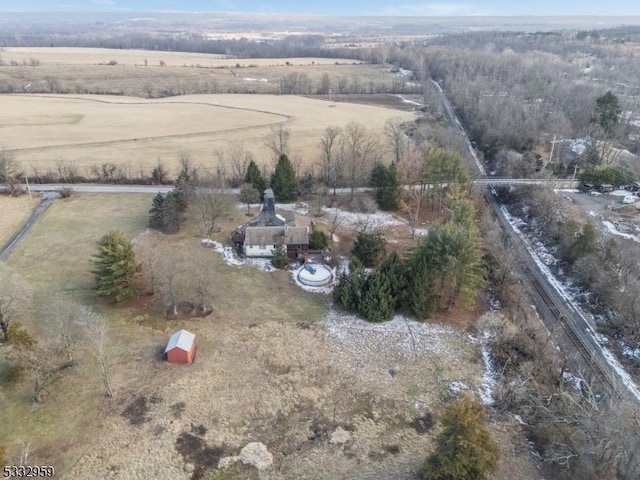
[
  {"x": 181, "y": 347},
  {"x": 260, "y": 236}
]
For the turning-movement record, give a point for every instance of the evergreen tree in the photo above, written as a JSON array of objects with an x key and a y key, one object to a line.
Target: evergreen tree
[
  {"x": 156, "y": 214},
  {"x": 376, "y": 301},
  {"x": 385, "y": 181},
  {"x": 280, "y": 258},
  {"x": 254, "y": 177},
  {"x": 115, "y": 267},
  {"x": 586, "y": 241},
  {"x": 395, "y": 271},
  {"x": 608, "y": 112},
  {"x": 419, "y": 297},
  {"x": 283, "y": 181},
  {"x": 342, "y": 291},
  {"x": 465, "y": 449},
  {"x": 318, "y": 240},
  {"x": 348, "y": 290},
  {"x": 368, "y": 248},
  {"x": 184, "y": 189},
  {"x": 170, "y": 214}
]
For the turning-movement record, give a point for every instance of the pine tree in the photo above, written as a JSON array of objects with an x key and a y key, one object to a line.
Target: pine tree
[
  {"x": 156, "y": 213},
  {"x": 608, "y": 112},
  {"x": 254, "y": 177},
  {"x": 280, "y": 258},
  {"x": 283, "y": 181},
  {"x": 115, "y": 267},
  {"x": 170, "y": 214},
  {"x": 419, "y": 296},
  {"x": 183, "y": 190},
  {"x": 376, "y": 302},
  {"x": 318, "y": 239},
  {"x": 342, "y": 291},
  {"x": 368, "y": 248},
  {"x": 395, "y": 271},
  {"x": 385, "y": 181},
  {"x": 348, "y": 290},
  {"x": 465, "y": 449}
]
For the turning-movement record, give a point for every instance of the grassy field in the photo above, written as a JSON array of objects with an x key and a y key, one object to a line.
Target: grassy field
[
  {"x": 15, "y": 211},
  {"x": 124, "y": 72},
  {"x": 272, "y": 366},
  {"x": 86, "y": 130},
  {"x": 100, "y": 56}
]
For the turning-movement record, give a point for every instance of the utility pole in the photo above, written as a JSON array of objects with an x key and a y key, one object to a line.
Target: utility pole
[{"x": 26, "y": 178}]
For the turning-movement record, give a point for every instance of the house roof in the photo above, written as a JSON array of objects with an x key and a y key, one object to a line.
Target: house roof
[
  {"x": 182, "y": 340},
  {"x": 276, "y": 235}
]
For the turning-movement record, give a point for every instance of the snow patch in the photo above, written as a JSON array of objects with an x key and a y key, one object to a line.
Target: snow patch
[
  {"x": 611, "y": 228},
  {"x": 458, "y": 387},
  {"x": 573, "y": 380},
  {"x": 231, "y": 258},
  {"x": 489, "y": 375},
  {"x": 400, "y": 336},
  {"x": 365, "y": 221}
]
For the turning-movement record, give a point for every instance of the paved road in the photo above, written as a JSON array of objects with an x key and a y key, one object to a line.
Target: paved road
[
  {"x": 45, "y": 203},
  {"x": 153, "y": 189}
]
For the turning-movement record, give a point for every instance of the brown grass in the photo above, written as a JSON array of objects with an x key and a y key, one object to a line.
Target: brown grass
[
  {"x": 13, "y": 212},
  {"x": 265, "y": 370},
  {"x": 102, "y": 56},
  {"x": 82, "y": 131}
]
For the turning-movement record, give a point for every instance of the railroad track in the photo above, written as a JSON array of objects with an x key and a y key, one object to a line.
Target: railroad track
[{"x": 572, "y": 321}]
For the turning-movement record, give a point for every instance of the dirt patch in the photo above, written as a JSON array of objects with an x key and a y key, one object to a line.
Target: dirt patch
[
  {"x": 195, "y": 451},
  {"x": 138, "y": 410}
]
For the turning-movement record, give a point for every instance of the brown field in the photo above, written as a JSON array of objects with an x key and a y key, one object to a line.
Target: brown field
[
  {"x": 86, "y": 130},
  {"x": 166, "y": 74},
  {"x": 269, "y": 368},
  {"x": 100, "y": 56},
  {"x": 15, "y": 211}
]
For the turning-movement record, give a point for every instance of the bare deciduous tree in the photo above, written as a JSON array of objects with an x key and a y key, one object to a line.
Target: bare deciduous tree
[
  {"x": 278, "y": 141},
  {"x": 97, "y": 333},
  {"x": 14, "y": 296},
  {"x": 9, "y": 171},
  {"x": 329, "y": 146},
  {"x": 395, "y": 139},
  {"x": 210, "y": 205}
]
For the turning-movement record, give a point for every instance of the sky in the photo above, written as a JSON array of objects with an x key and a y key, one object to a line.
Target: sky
[{"x": 341, "y": 7}]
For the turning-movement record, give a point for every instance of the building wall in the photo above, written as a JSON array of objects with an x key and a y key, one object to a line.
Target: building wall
[
  {"x": 256, "y": 251},
  {"x": 178, "y": 355}
]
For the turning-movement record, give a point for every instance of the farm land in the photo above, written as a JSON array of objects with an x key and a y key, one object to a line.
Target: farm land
[
  {"x": 329, "y": 395},
  {"x": 133, "y": 129},
  {"x": 274, "y": 364}
]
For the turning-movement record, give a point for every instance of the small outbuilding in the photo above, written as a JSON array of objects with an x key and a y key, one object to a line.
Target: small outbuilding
[{"x": 181, "y": 347}]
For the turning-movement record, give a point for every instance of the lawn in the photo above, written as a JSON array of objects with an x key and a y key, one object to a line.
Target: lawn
[
  {"x": 273, "y": 365},
  {"x": 14, "y": 211}
]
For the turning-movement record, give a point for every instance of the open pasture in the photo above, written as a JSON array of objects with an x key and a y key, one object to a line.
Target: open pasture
[
  {"x": 13, "y": 212},
  {"x": 84, "y": 130},
  {"x": 150, "y": 74},
  {"x": 102, "y": 56},
  {"x": 273, "y": 366}
]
